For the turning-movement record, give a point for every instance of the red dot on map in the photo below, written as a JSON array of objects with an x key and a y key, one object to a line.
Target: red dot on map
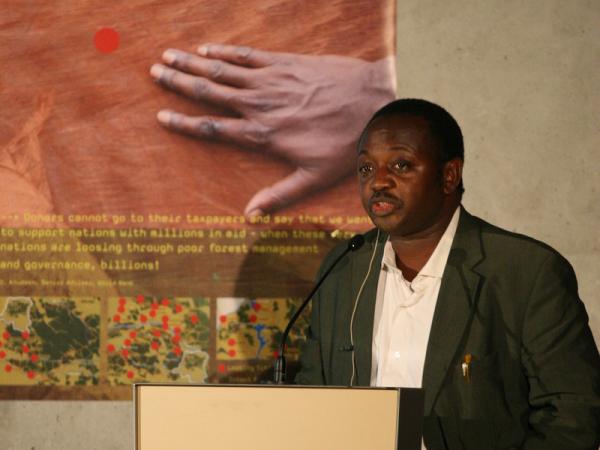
[
  {"x": 116, "y": 318},
  {"x": 2, "y": 354},
  {"x": 110, "y": 348},
  {"x": 156, "y": 333},
  {"x": 178, "y": 308},
  {"x": 165, "y": 318},
  {"x": 252, "y": 318},
  {"x": 127, "y": 343},
  {"x": 140, "y": 299},
  {"x": 25, "y": 348},
  {"x": 25, "y": 335},
  {"x": 122, "y": 301},
  {"x": 194, "y": 319},
  {"x": 177, "y": 351},
  {"x": 7, "y": 368},
  {"x": 176, "y": 338},
  {"x": 154, "y": 305},
  {"x": 106, "y": 40},
  {"x": 143, "y": 318},
  {"x": 155, "y": 345},
  {"x": 132, "y": 334},
  {"x": 130, "y": 374},
  {"x": 1, "y": 344},
  {"x": 165, "y": 302},
  {"x": 30, "y": 374},
  {"x": 165, "y": 325},
  {"x": 231, "y": 341},
  {"x": 34, "y": 357},
  {"x": 222, "y": 368},
  {"x": 256, "y": 306},
  {"x": 125, "y": 353},
  {"x": 223, "y": 318},
  {"x": 153, "y": 313},
  {"x": 276, "y": 354},
  {"x": 231, "y": 353},
  {"x": 177, "y": 330},
  {"x": 121, "y": 308},
  {"x": 6, "y": 335}
]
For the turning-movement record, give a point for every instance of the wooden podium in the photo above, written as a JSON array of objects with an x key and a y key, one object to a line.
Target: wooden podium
[{"x": 274, "y": 417}]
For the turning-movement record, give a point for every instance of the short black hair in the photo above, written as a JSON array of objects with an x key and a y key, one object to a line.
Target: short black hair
[{"x": 443, "y": 128}]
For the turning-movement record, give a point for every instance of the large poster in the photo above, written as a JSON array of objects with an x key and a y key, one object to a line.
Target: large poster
[{"x": 172, "y": 175}]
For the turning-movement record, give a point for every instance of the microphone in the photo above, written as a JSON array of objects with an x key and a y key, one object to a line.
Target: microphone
[{"x": 280, "y": 366}]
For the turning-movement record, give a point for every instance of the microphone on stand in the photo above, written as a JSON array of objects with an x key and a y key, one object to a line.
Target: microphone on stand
[{"x": 280, "y": 366}]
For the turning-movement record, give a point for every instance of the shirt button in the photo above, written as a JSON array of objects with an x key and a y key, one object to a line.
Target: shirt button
[{"x": 396, "y": 355}]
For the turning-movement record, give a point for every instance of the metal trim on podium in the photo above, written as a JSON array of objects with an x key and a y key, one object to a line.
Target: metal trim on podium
[{"x": 276, "y": 417}]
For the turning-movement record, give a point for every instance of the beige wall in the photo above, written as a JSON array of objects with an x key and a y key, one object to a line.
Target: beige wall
[{"x": 522, "y": 78}]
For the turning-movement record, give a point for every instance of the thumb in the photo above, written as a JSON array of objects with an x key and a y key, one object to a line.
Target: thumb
[{"x": 284, "y": 192}]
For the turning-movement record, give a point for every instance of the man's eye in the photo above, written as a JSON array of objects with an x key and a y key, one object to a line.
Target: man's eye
[
  {"x": 402, "y": 165},
  {"x": 364, "y": 169}
]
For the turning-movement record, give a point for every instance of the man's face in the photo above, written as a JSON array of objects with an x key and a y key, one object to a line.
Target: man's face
[{"x": 400, "y": 176}]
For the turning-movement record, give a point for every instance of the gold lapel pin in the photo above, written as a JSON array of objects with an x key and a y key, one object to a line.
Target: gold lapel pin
[{"x": 466, "y": 367}]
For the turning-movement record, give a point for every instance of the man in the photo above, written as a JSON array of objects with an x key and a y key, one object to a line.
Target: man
[{"x": 488, "y": 322}]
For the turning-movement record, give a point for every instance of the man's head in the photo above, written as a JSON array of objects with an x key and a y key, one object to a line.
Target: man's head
[{"x": 410, "y": 167}]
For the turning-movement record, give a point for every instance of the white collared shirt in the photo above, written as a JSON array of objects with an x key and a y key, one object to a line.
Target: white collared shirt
[{"x": 404, "y": 313}]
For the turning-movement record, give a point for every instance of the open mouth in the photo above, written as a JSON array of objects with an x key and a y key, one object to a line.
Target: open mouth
[{"x": 382, "y": 208}]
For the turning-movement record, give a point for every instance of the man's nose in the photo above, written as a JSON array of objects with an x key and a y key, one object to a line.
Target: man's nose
[{"x": 381, "y": 179}]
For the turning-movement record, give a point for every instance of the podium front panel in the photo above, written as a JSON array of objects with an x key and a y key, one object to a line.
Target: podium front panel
[{"x": 248, "y": 417}]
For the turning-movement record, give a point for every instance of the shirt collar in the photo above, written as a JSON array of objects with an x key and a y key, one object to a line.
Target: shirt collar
[{"x": 435, "y": 265}]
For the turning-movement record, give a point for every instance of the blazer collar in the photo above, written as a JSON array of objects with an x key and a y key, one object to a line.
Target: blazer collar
[{"x": 455, "y": 306}]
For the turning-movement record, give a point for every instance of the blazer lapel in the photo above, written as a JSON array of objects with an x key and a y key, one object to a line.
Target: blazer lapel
[
  {"x": 455, "y": 305},
  {"x": 365, "y": 310}
]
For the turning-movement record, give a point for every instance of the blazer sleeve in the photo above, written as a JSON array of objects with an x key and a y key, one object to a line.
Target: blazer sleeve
[{"x": 561, "y": 362}]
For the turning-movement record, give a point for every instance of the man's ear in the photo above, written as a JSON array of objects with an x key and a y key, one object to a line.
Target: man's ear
[{"x": 452, "y": 175}]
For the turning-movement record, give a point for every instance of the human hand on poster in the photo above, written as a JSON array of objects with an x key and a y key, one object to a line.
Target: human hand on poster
[{"x": 307, "y": 109}]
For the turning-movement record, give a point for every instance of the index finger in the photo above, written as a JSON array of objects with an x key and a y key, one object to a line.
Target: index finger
[{"x": 240, "y": 55}]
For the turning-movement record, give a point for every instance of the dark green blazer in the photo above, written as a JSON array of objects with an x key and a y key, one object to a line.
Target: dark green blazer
[{"x": 509, "y": 301}]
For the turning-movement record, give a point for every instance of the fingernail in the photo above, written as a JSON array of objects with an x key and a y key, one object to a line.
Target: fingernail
[
  {"x": 164, "y": 116},
  {"x": 169, "y": 56},
  {"x": 156, "y": 71},
  {"x": 202, "y": 50},
  {"x": 256, "y": 212}
]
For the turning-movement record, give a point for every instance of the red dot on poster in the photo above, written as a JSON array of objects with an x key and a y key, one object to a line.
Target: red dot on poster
[
  {"x": 177, "y": 351},
  {"x": 6, "y": 335},
  {"x": 165, "y": 326},
  {"x": 156, "y": 333},
  {"x": 1, "y": 344},
  {"x": 132, "y": 334},
  {"x": 176, "y": 338},
  {"x": 121, "y": 308},
  {"x": 154, "y": 305},
  {"x": 127, "y": 343},
  {"x": 122, "y": 301},
  {"x": 177, "y": 330},
  {"x": 222, "y": 368},
  {"x": 106, "y": 40},
  {"x": 116, "y": 318},
  {"x": 30, "y": 374},
  {"x": 140, "y": 299},
  {"x": 178, "y": 308},
  {"x": 276, "y": 354},
  {"x": 25, "y": 335},
  {"x": 256, "y": 306},
  {"x": 130, "y": 374},
  {"x": 165, "y": 318},
  {"x": 165, "y": 302},
  {"x": 231, "y": 341},
  {"x": 34, "y": 357},
  {"x": 110, "y": 348},
  {"x": 253, "y": 318},
  {"x": 2, "y": 354},
  {"x": 223, "y": 318},
  {"x": 231, "y": 353},
  {"x": 155, "y": 345},
  {"x": 125, "y": 353},
  {"x": 153, "y": 313},
  {"x": 143, "y": 319},
  {"x": 194, "y": 319},
  {"x": 8, "y": 368},
  {"x": 25, "y": 348}
]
